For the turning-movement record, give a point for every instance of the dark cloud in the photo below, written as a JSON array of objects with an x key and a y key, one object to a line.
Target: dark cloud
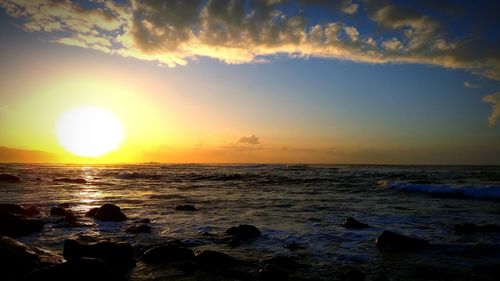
[
  {"x": 172, "y": 32},
  {"x": 249, "y": 140}
]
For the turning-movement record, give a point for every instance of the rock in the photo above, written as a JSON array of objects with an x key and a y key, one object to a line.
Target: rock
[
  {"x": 83, "y": 269},
  {"x": 352, "y": 223},
  {"x": 278, "y": 268},
  {"x": 390, "y": 241},
  {"x": 64, "y": 205},
  {"x": 110, "y": 212},
  {"x": 292, "y": 246},
  {"x": 170, "y": 252},
  {"x": 244, "y": 232},
  {"x": 9, "y": 178},
  {"x": 15, "y": 226},
  {"x": 117, "y": 254},
  {"x": 189, "y": 208},
  {"x": 17, "y": 258},
  {"x": 352, "y": 274},
  {"x": 215, "y": 259},
  {"x": 70, "y": 180},
  {"x": 22, "y": 210},
  {"x": 92, "y": 212},
  {"x": 142, "y": 228},
  {"x": 144, "y": 220},
  {"x": 381, "y": 277},
  {"x": 470, "y": 228},
  {"x": 58, "y": 211}
]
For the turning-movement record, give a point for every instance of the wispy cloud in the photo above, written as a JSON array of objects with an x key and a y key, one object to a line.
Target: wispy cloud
[
  {"x": 470, "y": 85},
  {"x": 249, "y": 140},
  {"x": 173, "y": 32},
  {"x": 494, "y": 99}
]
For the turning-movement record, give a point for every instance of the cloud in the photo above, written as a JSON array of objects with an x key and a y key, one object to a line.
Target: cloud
[
  {"x": 174, "y": 32},
  {"x": 249, "y": 140},
  {"x": 494, "y": 99},
  {"x": 471, "y": 85}
]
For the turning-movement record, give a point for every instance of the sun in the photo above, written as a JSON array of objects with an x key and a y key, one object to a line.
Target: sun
[{"x": 89, "y": 131}]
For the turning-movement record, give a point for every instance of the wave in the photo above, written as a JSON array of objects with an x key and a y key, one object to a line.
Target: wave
[{"x": 446, "y": 190}]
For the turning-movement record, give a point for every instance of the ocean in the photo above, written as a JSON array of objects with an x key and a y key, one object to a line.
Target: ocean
[{"x": 301, "y": 204}]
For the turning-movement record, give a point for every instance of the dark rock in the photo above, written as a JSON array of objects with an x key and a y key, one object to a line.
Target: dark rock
[
  {"x": 292, "y": 246},
  {"x": 110, "y": 212},
  {"x": 21, "y": 210},
  {"x": 381, "y": 277},
  {"x": 58, "y": 211},
  {"x": 15, "y": 226},
  {"x": 168, "y": 253},
  {"x": 64, "y": 205},
  {"x": 9, "y": 178},
  {"x": 243, "y": 232},
  {"x": 354, "y": 224},
  {"x": 144, "y": 220},
  {"x": 470, "y": 228},
  {"x": 215, "y": 259},
  {"x": 142, "y": 228},
  {"x": 83, "y": 269},
  {"x": 278, "y": 268},
  {"x": 490, "y": 228},
  {"x": 92, "y": 212},
  {"x": 70, "y": 180},
  {"x": 189, "y": 208},
  {"x": 352, "y": 274},
  {"x": 118, "y": 254},
  {"x": 390, "y": 241},
  {"x": 17, "y": 258}
]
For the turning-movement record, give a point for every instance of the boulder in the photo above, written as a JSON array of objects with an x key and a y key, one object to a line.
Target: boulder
[
  {"x": 9, "y": 178},
  {"x": 144, "y": 220},
  {"x": 470, "y": 228},
  {"x": 18, "y": 226},
  {"x": 170, "y": 252},
  {"x": 142, "y": 228},
  {"x": 22, "y": 210},
  {"x": 390, "y": 241},
  {"x": 70, "y": 180},
  {"x": 352, "y": 223},
  {"x": 352, "y": 274},
  {"x": 58, "y": 211},
  {"x": 92, "y": 212},
  {"x": 244, "y": 232},
  {"x": 83, "y": 269},
  {"x": 292, "y": 246},
  {"x": 110, "y": 212},
  {"x": 117, "y": 254},
  {"x": 189, "y": 208},
  {"x": 209, "y": 258},
  {"x": 17, "y": 258}
]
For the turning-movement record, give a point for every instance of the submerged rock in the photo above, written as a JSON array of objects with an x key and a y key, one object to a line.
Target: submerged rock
[
  {"x": 215, "y": 259},
  {"x": 118, "y": 254},
  {"x": 58, "y": 211},
  {"x": 109, "y": 212},
  {"x": 22, "y": 210},
  {"x": 470, "y": 228},
  {"x": 16, "y": 220},
  {"x": 70, "y": 180},
  {"x": 83, "y": 269},
  {"x": 292, "y": 246},
  {"x": 170, "y": 252},
  {"x": 352, "y": 223},
  {"x": 244, "y": 232},
  {"x": 9, "y": 178},
  {"x": 92, "y": 212},
  {"x": 189, "y": 208},
  {"x": 142, "y": 228},
  {"x": 390, "y": 241}
]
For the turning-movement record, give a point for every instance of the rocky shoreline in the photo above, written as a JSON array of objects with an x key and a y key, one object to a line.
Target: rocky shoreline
[{"x": 87, "y": 258}]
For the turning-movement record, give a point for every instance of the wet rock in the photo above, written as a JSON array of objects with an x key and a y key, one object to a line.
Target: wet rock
[
  {"x": 58, "y": 211},
  {"x": 142, "y": 228},
  {"x": 352, "y": 223},
  {"x": 64, "y": 205},
  {"x": 70, "y": 180},
  {"x": 15, "y": 226},
  {"x": 243, "y": 232},
  {"x": 92, "y": 212},
  {"x": 9, "y": 178},
  {"x": 168, "y": 253},
  {"x": 83, "y": 269},
  {"x": 144, "y": 220},
  {"x": 17, "y": 258},
  {"x": 117, "y": 254},
  {"x": 110, "y": 212},
  {"x": 278, "y": 268},
  {"x": 390, "y": 241},
  {"x": 292, "y": 246},
  {"x": 215, "y": 259},
  {"x": 352, "y": 274},
  {"x": 470, "y": 228},
  {"x": 21, "y": 210},
  {"x": 189, "y": 208}
]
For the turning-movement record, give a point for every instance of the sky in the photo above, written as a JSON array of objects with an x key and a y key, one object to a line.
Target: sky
[{"x": 269, "y": 81}]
